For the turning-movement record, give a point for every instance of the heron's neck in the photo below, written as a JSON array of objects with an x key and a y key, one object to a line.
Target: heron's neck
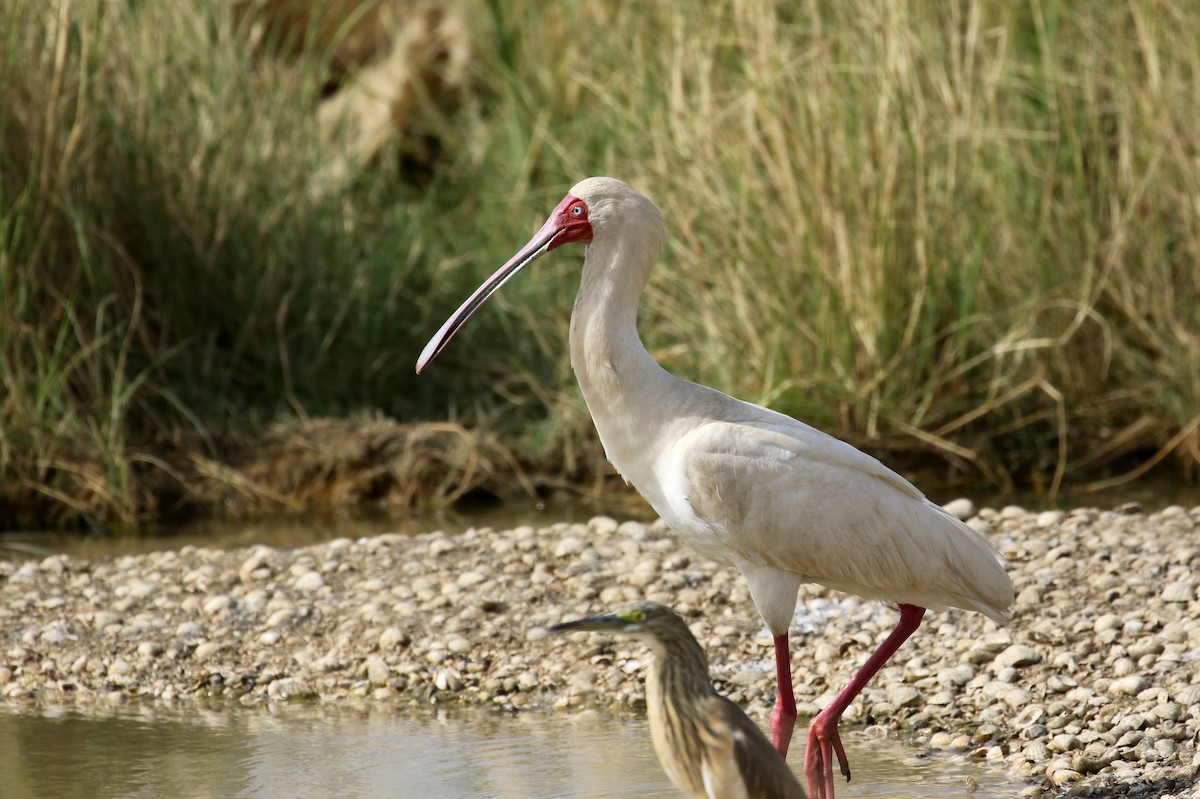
[
  {"x": 680, "y": 672},
  {"x": 676, "y": 686}
]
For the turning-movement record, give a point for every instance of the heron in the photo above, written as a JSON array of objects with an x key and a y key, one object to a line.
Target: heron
[
  {"x": 783, "y": 502},
  {"x": 709, "y": 748}
]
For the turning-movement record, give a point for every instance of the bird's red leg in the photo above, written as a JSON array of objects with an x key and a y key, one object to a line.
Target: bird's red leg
[
  {"x": 783, "y": 720},
  {"x": 823, "y": 739}
]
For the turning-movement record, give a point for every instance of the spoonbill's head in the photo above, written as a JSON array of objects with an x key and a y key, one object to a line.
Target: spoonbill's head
[{"x": 596, "y": 210}]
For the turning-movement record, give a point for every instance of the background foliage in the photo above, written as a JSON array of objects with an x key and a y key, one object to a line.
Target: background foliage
[{"x": 963, "y": 229}]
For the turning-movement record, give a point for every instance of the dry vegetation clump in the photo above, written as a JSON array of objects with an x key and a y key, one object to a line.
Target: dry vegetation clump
[
  {"x": 309, "y": 464},
  {"x": 376, "y": 459}
]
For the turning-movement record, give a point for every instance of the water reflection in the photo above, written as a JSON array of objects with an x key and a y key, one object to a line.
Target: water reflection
[{"x": 300, "y": 752}]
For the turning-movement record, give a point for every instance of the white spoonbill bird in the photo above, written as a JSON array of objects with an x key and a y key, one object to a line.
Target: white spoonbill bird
[{"x": 780, "y": 500}]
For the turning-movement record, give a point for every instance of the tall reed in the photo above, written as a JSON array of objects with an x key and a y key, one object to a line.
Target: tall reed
[{"x": 968, "y": 229}]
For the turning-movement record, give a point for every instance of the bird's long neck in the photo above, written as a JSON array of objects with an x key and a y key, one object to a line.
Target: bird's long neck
[
  {"x": 676, "y": 686},
  {"x": 680, "y": 672},
  {"x": 627, "y": 392}
]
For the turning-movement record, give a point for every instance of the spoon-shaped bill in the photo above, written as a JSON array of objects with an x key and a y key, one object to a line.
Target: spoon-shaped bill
[
  {"x": 565, "y": 224},
  {"x": 539, "y": 246}
]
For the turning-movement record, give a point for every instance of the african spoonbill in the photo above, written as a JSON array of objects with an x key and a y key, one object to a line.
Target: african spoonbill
[{"x": 782, "y": 501}]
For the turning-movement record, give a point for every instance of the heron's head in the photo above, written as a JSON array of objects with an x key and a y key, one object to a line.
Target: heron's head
[{"x": 654, "y": 623}]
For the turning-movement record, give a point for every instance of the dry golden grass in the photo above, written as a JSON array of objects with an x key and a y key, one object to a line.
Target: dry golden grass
[{"x": 964, "y": 231}]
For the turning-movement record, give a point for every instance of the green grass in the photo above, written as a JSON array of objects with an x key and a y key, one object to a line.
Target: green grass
[{"x": 965, "y": 229}]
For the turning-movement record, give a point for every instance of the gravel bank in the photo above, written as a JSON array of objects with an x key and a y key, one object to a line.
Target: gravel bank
[{"x": 1092, "y": 690}]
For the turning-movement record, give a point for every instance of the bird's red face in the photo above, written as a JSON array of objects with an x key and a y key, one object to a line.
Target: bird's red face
[{"x": 567, "y": 223}]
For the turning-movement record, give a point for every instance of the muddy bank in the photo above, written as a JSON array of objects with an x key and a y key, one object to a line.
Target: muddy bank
[{"x": 1092, "y": 689}]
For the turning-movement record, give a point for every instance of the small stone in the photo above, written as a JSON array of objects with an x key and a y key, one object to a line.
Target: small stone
[
  {"x": 1168, "y": 711},
  {"x": 1035, "y": 731},
  {"x": 377, "y": 671},
  {"x": 189, "y": 629},
  {"x": 309, "y": 581},
  {"x": 448, "y": 680},
  {"x": 149, "y": 650},
  {"x": 961, "y": 508},
  {"x": 1149, "y": 646},
  {"x": 1029, "y": 597},
  {"x": 119, "y": 668},
  {"x": 1188, "y": 696},
  {"x": 1064, "y": 742},
  {"x": 470, "y": 579},
  {"x": 1131, "y": 685},
  {"x": 289, "y": 688},
  {"x": 940, "y": 740},
  {"x": 904, "y": 695},
  {"x": 1064, "y": 775},
  {"x": 217, "y": 605},
  {"x": 206, "y": 650},
  {"x": 1016, "y": 698},
  {"x": 103, "y": 618},
  {"x": 602, "y": 525},
  {"x": 1049, "y": 518},
  {"x": 256, "y": 567},
  {"x": 1032, "y": 714},
  {"x": 1179, "y": 592},
  {"x": 1130, "y": 738},
  {"x": 1037, "y": 751},
  {"x": 1018, "y": 656},
  {"x": 956, "y": 675},
  {"x": 393, "y": 638},
  {"x": 140, "y": 590},
  {"x": 1108, "y": 621},
  {"x": 979, "y": 524},
  {"x": 568, "y": 546},
  {"x": 53, "y": 635},
  {"x": 746, "y": 677}
]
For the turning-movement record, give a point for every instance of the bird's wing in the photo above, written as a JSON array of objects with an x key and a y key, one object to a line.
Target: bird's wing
[
  {"x": 740, "y": 760},
  {"x": 776, "y": 493}
]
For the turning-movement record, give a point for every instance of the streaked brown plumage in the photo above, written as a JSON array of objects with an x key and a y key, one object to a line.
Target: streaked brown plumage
[{"x": 709, "y": 748}]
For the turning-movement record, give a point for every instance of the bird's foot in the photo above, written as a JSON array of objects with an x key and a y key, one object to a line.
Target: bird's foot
[{"x": 824, "y": 743}]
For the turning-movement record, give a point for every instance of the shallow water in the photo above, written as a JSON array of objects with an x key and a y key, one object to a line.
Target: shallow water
[
  {"x": 308, "y": 528},
  {"x": 300, "y": 752},
  {"x": 285, "y": 530}
]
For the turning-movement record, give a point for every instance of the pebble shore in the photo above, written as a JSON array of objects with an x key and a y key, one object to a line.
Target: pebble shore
[{"x": 1093, "y": 689}]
